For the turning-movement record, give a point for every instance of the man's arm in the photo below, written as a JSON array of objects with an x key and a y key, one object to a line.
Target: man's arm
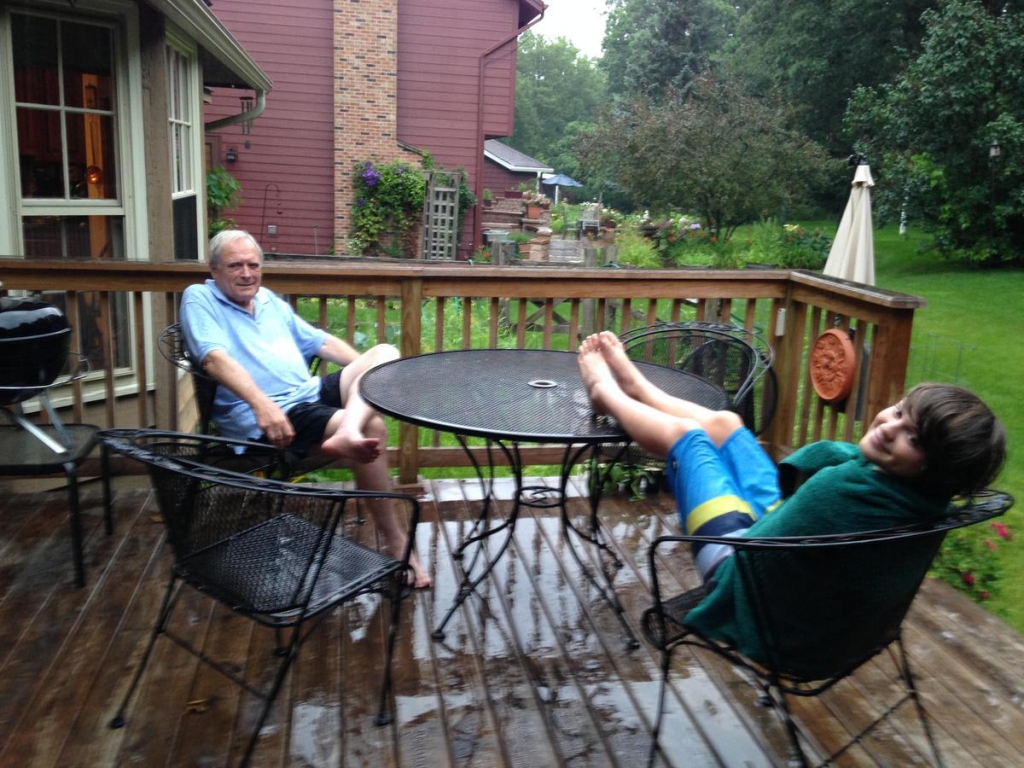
[
  {"x": 269, "y": 417},
  {"x": 334, "y": 350}
]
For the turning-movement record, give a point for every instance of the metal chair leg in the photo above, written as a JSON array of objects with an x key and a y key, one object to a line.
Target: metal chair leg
[
  {"x": 908, "y": 678},
  {"x": 666, "y": 661},
  {"x": 384, "y": 715},
  {"x": 118, "y": 720}
]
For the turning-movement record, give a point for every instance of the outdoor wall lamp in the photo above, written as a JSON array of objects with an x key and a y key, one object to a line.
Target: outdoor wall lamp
[
  {"x": 995, "y": 149},
  {"x": 231, "y": 155}
]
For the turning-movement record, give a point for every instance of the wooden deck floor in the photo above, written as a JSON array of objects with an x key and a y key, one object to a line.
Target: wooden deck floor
[{"x": 534, "y": 672}]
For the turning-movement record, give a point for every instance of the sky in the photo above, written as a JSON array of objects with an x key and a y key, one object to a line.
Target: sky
[{"x": 581, "y": 22}]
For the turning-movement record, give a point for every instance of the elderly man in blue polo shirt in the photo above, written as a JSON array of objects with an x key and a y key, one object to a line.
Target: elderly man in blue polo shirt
[{"x": 256, "y": 347}]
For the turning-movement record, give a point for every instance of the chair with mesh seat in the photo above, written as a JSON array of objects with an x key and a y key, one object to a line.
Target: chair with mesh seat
[
  {"x": 822, "y": 606},
  {"x": 271, "y": 551},
  {"x": 286, "y": 464},
  {"x": 737, "y": 360}
]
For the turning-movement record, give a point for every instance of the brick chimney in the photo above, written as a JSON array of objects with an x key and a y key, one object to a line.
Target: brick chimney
[{"x": 365, "y": 97}]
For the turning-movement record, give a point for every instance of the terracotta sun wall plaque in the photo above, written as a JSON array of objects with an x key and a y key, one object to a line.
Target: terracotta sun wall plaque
[{"x": 833, "y": 365}]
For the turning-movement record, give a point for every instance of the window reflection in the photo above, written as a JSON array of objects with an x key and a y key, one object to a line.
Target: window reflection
[
  {"x": 73, "y": 237},
  {"x": 64, "y": 87}
]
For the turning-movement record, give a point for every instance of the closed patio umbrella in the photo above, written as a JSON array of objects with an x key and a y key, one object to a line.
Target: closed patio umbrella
[{"x": 853, "y": 251}]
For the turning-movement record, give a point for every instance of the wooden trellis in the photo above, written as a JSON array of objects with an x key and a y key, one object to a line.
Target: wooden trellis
[{"x": 441, "y": 216}]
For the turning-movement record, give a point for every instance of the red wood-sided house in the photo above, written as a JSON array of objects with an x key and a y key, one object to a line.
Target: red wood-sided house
[{"x": 379, "y": 80}]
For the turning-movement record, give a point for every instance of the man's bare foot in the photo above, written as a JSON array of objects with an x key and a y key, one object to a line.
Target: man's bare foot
[
  {"x": 420, "y": 578},
  {"x": 594, "y": 371},
  {"x": 352, "y": 446},
  {"x": 625, "y": 371},
  {"x": 417, "y": 577}
]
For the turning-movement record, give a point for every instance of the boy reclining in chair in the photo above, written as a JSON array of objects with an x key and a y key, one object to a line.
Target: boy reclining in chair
[
  {"x": 938, "y": 442},
  {"x": 256, "y": 347}
]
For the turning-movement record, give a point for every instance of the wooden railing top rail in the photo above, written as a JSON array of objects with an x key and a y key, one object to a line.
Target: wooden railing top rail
[
  {"x": 458, "y": 279},
  {"x": 794, "y": 306}
]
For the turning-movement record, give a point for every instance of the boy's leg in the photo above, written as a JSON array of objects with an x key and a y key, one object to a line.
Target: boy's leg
[
  {"x": 707, "y": 496},
  {"x": 718, "y": 424},
  {"x": 652, "y": 429}
]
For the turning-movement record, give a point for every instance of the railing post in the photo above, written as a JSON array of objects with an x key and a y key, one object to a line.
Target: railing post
[
  {"x": 791, "y": 318},
  {"x": 890, "y": 356},
  {"x": 409, "y": 341}
]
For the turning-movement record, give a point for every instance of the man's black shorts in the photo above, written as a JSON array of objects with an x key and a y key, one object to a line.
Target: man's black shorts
[{"x": 309, "y": 420}]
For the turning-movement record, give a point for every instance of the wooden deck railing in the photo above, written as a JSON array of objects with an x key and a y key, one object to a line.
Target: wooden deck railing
[{"x": 424, "y": 307}]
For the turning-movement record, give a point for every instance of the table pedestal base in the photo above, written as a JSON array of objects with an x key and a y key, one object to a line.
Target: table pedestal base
[{"x": 538, "y": 497}]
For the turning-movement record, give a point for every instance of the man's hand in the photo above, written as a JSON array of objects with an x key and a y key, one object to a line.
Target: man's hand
[
  {"x": 269, "y": 416},
  {"x": 275, "y": 424}
]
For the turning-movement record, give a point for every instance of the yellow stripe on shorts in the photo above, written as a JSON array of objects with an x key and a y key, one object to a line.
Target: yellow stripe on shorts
[{"x": 716, "y": 507}]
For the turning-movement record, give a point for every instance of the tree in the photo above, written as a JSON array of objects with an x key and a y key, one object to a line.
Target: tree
[
  {"x": 813, "y": 54},
  {"x": 929, "y": 132},
  {"x": 555, "y": 86},
  {"x": 716, "y": 151},
  {"x": 660, "y": 46}
]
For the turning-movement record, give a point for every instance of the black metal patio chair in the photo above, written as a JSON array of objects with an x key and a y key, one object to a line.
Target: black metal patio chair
[
  {"x": 273, "y": 552},
  {"x": 737, "y": 360},
  {"x": 836, "y": 581},
  {"x": 283, "y": 464}
]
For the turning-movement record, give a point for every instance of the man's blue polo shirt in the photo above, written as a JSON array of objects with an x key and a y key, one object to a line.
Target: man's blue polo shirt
[{"x": 273, "y": 344}]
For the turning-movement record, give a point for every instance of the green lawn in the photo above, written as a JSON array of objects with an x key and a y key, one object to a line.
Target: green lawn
[{"x": 972, "y": 333}]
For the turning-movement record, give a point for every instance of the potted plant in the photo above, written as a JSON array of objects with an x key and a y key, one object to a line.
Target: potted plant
[
  {"x": 488, "y": 198},
  {"x": 513, "y": 194},
  {"x": 536, "y": 203}
]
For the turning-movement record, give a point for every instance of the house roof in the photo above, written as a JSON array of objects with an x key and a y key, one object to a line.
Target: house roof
[
  {"x": 513, "y": 159},
  {"x": 225, "y": 62},
  {"x": 529, "y": 10}
]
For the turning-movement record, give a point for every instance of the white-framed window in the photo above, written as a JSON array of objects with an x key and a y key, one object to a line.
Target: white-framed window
[
  {"x": 71, "y": 150},
  {"x": 66, "y": 111},
  {"x": 185, "y": 147}
]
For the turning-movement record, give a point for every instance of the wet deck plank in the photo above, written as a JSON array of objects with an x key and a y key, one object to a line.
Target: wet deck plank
[{"x": 533, "y": 671}]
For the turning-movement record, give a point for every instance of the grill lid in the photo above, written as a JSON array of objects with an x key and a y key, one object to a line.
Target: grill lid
[{"x": 34, "y": 342}]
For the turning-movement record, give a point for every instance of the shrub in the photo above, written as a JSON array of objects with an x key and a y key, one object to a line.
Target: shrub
[
  {"x": 789, "y": 246},
  {"x": 968, "y": 560},
  {"x": 635, "y": 250},
  {"x": 222, "y": 193},
  {"x": 388, "y": 199}
]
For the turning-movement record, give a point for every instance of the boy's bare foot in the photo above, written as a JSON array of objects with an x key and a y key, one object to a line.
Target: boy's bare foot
[
  {"x": 622, "y": 367},
  {"x": 594, "y": 371},
  {"x": 352, "y": 446}
]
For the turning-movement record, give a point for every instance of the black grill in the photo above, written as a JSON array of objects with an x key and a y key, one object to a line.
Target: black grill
[{"x": 34, "y": 341}]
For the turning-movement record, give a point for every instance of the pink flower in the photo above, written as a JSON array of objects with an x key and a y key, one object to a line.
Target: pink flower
[
  {"x": 1001, "y": 530},
  {"x": 990, "y": 544},
  {"x": 968, "y": 578},
  {"x": 985, "y": 595}
]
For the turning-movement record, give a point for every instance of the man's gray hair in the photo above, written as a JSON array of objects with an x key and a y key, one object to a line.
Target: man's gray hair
[{"x": 226, "y": 237}]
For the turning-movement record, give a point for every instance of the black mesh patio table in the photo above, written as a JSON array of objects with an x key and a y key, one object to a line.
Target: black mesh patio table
[{"x": 510, "y": 397}]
